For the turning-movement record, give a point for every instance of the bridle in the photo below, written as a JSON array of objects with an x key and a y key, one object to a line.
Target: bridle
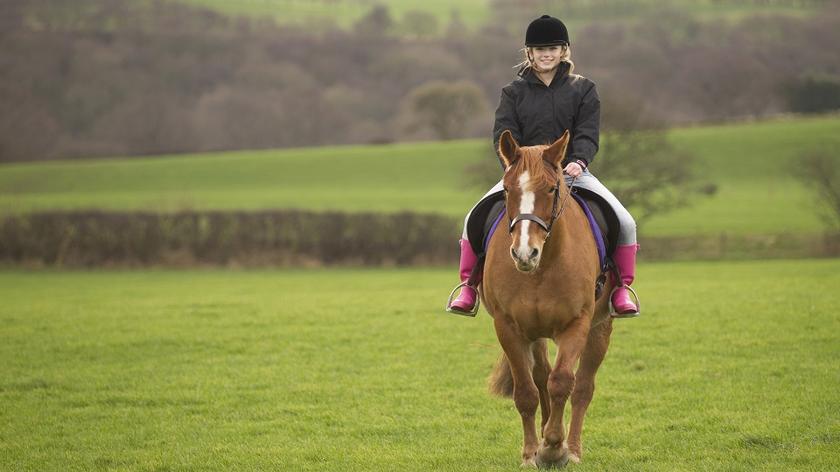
[{"x": 555, "y": 212}]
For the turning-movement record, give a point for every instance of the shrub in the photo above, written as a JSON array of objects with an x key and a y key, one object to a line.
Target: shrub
[{"x": 814, "y": 94}]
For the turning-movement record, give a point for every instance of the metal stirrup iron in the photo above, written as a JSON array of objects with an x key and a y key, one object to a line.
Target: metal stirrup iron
[
  {"x": 615, "y": 314},
  {"x": 472, "y": 312}
]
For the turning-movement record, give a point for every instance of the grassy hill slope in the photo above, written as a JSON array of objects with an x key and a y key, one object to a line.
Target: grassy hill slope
[
  {"x": 345, "y": 12},
  {"x": 752, "y": 165},
  {"x": 749, "y": 162}
]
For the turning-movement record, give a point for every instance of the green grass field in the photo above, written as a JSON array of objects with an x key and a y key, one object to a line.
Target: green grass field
[
  {"x": 752, "y": 165},
  {"x": 733, "y": 366},
  {"x": 749, "y": 162},
  {"x": 345, "y": 12}
]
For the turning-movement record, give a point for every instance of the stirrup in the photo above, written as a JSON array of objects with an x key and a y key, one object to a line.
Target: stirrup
[
  {"x": 615, "y": 314},
  {"x": 472, "y": 312}
]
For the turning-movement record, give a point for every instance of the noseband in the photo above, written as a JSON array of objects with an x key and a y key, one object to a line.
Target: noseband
[{"x": 555, "y": 213}]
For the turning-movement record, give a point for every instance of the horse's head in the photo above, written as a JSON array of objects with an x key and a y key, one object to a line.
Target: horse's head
[{"x": 532, "y": 195}]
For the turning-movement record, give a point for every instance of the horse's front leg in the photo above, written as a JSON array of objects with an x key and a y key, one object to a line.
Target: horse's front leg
[
  {"x": 554, "y": 452},
  {"x": 525, "y": 393},
  {"x": 541, "y": 371},
  {"x": 590, "y": 360}
]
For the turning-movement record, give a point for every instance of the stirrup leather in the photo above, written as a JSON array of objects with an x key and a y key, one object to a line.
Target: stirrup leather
[
  {"x": 615, "y": 314},
  {"x": 472, "y": 312}
]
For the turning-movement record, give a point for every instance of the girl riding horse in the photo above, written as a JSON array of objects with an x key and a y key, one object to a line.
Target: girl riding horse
[{"x": 543, "y": 102}]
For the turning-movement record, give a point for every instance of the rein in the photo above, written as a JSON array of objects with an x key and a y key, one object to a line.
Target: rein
[{"x": 555, "y": 213}]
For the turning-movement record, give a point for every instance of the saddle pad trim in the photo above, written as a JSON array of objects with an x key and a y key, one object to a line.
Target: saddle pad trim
[
  {"x": 493, "y": 228},
  {"x": 596, "y": 231}
]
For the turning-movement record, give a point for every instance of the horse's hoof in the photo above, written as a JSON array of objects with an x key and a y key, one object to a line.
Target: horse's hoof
[
  {"x": 529, "y": 464},
  {"x": 549, "y": 457},
  {"x": 575, "y": 453}
]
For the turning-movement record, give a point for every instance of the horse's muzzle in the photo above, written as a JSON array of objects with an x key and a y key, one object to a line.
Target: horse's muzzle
[{"x": 526, "y": 262}]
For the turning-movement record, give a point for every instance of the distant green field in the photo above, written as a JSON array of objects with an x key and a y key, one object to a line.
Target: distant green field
[
  {"x": 749, "y": 162},
  {"x": 474, "y": 13},
  {"x": 345, "y": 12},
  {"x": 732, "y": 366},
  {"x": 422, "y": 177},
  {"x": 752, "y": 165}
]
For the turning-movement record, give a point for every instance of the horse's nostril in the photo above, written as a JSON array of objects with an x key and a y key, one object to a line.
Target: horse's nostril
[
  {"x": 513, "y": 253},
  {"x": 534, "y": 253}
]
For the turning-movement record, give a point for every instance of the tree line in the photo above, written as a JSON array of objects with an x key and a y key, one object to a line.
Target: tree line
[{"x": 86, "y": 78}]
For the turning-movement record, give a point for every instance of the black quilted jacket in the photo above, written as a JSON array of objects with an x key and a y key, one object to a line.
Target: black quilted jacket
[{"x": 539, "y": 114}]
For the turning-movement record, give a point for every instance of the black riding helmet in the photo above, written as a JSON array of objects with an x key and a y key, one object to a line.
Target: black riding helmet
[{"x": 546, "y": 31}]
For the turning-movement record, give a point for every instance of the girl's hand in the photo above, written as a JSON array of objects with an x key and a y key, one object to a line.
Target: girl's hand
[{"x": 573, "y": 169}]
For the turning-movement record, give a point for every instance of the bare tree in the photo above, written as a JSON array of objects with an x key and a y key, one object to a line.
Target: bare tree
[
  {"x": 377, "y": 22},
  {"x": 819, "y": 170},
  {"x": 647, "y": 173},
  {"x": 419, "y": 24}
]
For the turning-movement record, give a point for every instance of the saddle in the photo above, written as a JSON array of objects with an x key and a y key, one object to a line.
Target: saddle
[{"x": 487, "y": 214}]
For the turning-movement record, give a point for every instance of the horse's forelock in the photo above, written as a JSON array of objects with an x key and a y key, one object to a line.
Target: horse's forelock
[{"x": 540, "y": 171}]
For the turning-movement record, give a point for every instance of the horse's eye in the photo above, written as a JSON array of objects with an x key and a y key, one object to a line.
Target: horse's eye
[{"x": 552, "y": 190}]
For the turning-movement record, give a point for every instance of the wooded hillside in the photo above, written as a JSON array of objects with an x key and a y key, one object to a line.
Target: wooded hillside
[{"x": 115, "y": 77}]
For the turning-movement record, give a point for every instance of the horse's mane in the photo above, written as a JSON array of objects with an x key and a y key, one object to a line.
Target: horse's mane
[{"x": 541, "y": 172}]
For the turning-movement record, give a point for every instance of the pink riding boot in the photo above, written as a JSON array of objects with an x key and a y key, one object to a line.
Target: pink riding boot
[
  {"x": 466, "y": 303},
  {"x": 625, "y": 261}
]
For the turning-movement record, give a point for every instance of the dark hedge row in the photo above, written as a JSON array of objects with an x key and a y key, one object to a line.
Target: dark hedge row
[
  {"x": 267, "y": 238},
  {"x": 295, "y": 238}
]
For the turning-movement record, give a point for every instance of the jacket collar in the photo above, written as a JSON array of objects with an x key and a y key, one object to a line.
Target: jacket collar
[{"x": 559, "y": 78}]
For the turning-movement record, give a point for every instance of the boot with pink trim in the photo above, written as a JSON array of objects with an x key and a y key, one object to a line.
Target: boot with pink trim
[
  {"x": 467, "y": 302},
  {"x": 622, "y": 306}
]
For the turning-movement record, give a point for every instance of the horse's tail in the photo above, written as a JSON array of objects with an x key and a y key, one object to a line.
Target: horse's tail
[{"x": 500, "y": 381}]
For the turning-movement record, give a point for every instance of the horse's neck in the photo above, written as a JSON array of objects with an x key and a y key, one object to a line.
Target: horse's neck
[{"x": 560, "y": 240}]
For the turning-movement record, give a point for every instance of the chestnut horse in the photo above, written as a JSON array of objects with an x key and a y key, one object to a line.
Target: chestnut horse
[{"x": 547, "y": 291}]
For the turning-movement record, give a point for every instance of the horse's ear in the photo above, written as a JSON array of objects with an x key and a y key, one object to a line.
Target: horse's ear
[
  {"x": 507, "y": 148},
  {"x": 557, "y": 151}
]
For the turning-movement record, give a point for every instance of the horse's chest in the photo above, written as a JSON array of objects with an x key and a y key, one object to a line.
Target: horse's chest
[
  {"x": 544, "y": 305},
  {"x": 541, "y": 303},
  {"x": 539, "y": 306}
]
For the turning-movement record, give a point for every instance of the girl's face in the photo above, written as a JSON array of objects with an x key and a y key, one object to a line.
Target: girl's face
[{"x": 546, "y": 58}]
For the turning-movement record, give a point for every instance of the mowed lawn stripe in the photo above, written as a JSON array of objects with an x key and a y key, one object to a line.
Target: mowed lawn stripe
[{"x": 731, "y": 367}]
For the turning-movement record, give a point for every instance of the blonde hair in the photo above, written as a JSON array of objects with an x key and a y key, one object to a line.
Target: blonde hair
[{"x": 528, "y": 63}]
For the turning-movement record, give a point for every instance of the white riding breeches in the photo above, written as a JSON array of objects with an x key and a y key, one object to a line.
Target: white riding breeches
[{"x": 627, "y": 232}]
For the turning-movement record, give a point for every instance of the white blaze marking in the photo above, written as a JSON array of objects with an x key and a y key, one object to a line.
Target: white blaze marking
[{"x": 526, "y": 205}]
